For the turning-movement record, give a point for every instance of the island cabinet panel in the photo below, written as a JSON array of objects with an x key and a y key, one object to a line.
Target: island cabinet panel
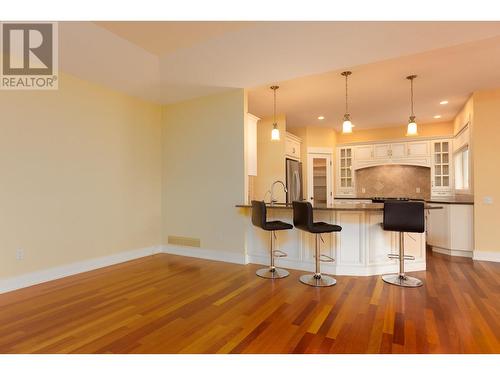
[
  {"x": 360, "y": 249},
  {"x": 379, "y": 241},
  {"x": 350, "y": 239}
]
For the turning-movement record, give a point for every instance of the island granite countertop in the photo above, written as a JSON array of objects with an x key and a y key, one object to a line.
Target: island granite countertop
[{"x": 348, "y": 206}]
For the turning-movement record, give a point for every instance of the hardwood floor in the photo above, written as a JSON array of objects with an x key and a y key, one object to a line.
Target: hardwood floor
[{"x": 171, "y": 304}]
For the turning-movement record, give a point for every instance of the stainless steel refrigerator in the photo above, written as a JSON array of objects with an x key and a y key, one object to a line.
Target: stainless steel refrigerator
[{"x": 293, "y": 180}]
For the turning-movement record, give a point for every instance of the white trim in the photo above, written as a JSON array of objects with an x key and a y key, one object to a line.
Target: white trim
[
  {"x": 293, "y": 137},
  {"x": 253, "y": 117},
  {"x": 490, "y": 256},
  {"x": 395, "y": 140},
  {"x": 451, "y": 252},
  {"x": 320, "y": 150},
  {"x": 38, "y": 277},
  {"x": 339, "y": 269},
  {"x": 197, "y": 252}
]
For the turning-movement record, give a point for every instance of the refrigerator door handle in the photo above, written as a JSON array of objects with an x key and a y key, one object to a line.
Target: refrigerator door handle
[{"x": 297, "y": 185}]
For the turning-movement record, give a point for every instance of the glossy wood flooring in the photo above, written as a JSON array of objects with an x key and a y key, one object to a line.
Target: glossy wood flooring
[{"x": 172, "y": 304}]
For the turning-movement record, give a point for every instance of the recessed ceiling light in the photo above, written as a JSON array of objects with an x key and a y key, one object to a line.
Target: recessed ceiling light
[
  {"x": 443, "y": 102},
  {"x": 321, "y": 117},
  {"x": 437, "y": 116}
]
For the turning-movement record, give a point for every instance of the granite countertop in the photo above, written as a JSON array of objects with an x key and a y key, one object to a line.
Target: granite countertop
[
  {"x": 337, "y": 206},
  {"x": 443, "y": 200},
  {"x": 451, "y": 200}
]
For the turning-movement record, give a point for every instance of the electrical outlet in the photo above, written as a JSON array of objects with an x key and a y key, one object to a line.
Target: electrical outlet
[
  {"x": 488, "y": 200},
  {"x": 417, "y": 190},
  {"x": 19, "y": 254},
  {"x": 363, "y": 190}
]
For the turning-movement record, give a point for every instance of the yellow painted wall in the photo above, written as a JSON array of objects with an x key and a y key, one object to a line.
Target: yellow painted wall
[
  {"x": 79, "y": 175},
  {"x": 399, "y": 132},
  {"x": 486, "y": 143},
  {"x": 270, "y": 159},
  {"x": 203, "y": 170}
]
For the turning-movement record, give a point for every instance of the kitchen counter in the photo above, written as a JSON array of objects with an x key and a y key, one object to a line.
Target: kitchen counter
[
  {"x": 451, "y": 200},
  {"x": 443, "y": 200},
  {"x": 338, "y": 206},
  {"x": 360, "y": 249}
]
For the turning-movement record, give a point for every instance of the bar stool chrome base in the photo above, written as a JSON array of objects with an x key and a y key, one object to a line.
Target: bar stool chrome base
[
  {"x": 402, "y": 280},
  {"x": 272, "y": 273},
  {"x": 317, "y": 280}
]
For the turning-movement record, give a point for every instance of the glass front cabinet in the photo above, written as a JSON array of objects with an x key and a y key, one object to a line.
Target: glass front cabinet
[
  {"x": 441, "y": 168},
  {"x": 345, "y": 172}
]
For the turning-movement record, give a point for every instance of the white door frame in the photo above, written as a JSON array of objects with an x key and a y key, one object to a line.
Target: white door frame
[{"x": 325, "y": 153}]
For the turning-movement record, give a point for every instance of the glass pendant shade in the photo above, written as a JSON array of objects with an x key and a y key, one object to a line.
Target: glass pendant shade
[
  {"x": 347, "y": 126},
  {"x": 412, "y": 127},
  {"x": 275, "y": 133}
]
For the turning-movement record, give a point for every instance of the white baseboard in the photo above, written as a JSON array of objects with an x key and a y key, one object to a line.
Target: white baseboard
[
  {"x": 339, "y": 269},
  {"x": 490, "y": 256},
  {"x": 198, "y": 252},
  {"x": 451, "y": 252},
  {"x": 38, "y": 277}
]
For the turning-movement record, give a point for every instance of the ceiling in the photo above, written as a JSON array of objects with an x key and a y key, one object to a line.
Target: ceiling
[
  {"x": 167, "y": 62},
  {"x": 379, "y": 93},
  {"x": 160, "y": 38}
]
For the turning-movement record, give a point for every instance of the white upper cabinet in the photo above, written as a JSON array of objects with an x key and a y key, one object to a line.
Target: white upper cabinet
[
  {"x": 390, "y": 151},
  {"x": 441, "y": 169},
  {"x": 432, "y": 153},
  {"x": 398, "y": 150},
  {"x": 292, "y": 146},
  {"x": 363, "y": 152},
  {"x": 417, "y": 149},
  {"x": 344, "y": 172},
  {"x": 251, "y": 144},
  {"x": 413, "y": 153},
  {"x": 382, "y": 151}
]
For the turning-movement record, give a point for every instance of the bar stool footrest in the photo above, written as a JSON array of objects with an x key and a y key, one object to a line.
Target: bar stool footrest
[
  {"x": 279, "y": 254},
  {"x": 328, "y": 259}
]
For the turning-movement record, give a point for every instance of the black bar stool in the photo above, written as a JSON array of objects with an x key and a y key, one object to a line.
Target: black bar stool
[
  {"x": 259, "y": 219},
  {"x": 403, "y": 217},
  {"x": 303, "y": 220}
]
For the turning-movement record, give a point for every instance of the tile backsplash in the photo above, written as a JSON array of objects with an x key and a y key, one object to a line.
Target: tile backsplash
[{"x": 394, "y": 181}]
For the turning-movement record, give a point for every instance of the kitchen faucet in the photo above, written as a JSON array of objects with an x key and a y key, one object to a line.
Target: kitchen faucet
[{"x": 272, "y": 190}]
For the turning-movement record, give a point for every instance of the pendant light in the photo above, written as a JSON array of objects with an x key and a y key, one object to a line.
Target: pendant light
[
  {"x": 412, "y": 125},
  {"x": 347, "y": 124},
  {"x": 275, "y": 133}
]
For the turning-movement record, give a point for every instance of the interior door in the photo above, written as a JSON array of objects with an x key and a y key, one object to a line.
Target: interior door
[{"x": 319, "y": 179}]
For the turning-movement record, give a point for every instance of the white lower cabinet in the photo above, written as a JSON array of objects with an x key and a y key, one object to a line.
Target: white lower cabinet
[{"x": 450, "y": 230}]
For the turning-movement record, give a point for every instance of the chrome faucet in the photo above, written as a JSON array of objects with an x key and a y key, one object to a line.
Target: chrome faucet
[{"x": 272, "y": 190}]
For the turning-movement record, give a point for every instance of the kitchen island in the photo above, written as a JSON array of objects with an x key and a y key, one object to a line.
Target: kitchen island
[{"x": 360, "y": 249}]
